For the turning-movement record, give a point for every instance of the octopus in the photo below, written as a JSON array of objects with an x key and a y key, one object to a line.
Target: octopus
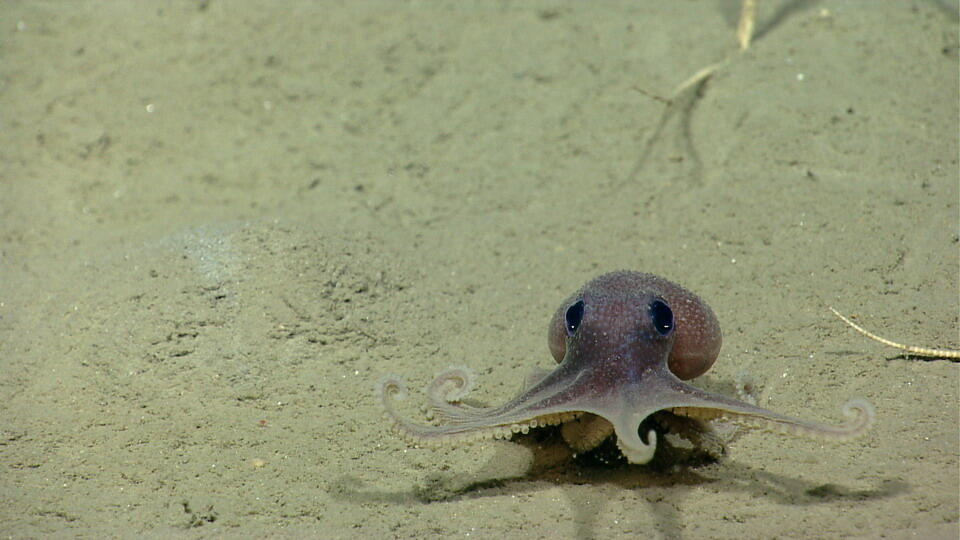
[{"x": 625, "y": 345}]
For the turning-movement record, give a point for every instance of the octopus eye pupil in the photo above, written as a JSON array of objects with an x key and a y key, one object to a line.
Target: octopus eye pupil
[
  {"x": 662, "y": 317},
  {"x": 574, "y": 316}
]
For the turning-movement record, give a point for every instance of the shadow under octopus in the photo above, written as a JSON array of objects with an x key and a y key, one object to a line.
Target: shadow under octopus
[{"x": 625, "y": 344}]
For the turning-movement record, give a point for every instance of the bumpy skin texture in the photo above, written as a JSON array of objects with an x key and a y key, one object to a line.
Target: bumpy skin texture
[
  {"x": 698, "y": 337},
  {"x": 625, "y": 343}
]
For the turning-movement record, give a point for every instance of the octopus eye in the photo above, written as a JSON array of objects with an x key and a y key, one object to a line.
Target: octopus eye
[
  {"x": 574, "y": 316},
  {"x": 662, "y": 317}
]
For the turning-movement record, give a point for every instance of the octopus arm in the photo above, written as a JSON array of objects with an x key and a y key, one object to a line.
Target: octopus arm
[
  {"x": 479, "y": 424},
  {"x": 859, "y": 412}
]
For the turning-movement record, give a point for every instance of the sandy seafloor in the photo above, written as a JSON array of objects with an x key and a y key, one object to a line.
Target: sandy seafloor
[{"x": 224, "y": 222}]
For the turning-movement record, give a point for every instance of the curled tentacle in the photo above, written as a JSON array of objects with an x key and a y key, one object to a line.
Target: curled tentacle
[
  {"x": 445, "y": 394},
  {"x": 639, "y": 453},
  {"x": 450, "y": 386},
  {"x": 487, "y": 426},
  {"x": 859, "y": 412}
]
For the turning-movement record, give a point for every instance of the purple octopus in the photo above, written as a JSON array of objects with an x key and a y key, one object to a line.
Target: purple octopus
[{"x": 625, "y": 343}]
